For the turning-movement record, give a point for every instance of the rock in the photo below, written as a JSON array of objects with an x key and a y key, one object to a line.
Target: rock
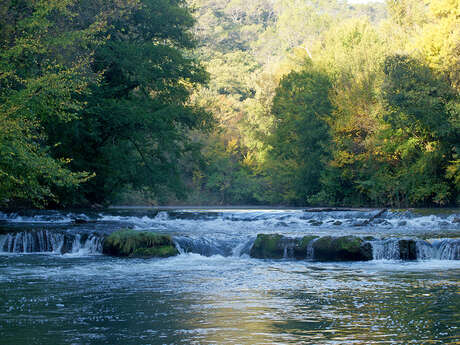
[
  {"x": 337, "y": 222},
  {"x": 456, "y": 220},
  {"x": 67, "y": 245},
  {"x": 268, "y": 246},
  {"x": 407, "y": 250},
  {"x": 276, "y": 246},
  {"x": 346, "y": 248},
  {"x": 363, "y": 223},
  {"x": 315, "y": 222},
  {"x": 402, "y": 223},
  {"x": 79, "y": 221},
  {"x": 301, "y": 247},
  {"x": 142, "y": 244},
  {"x": 366, "y": 251},
  {"x": 377, "y": 215}
]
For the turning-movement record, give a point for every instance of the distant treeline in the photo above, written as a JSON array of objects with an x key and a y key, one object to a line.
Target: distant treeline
[
  {"x": 328, "y": 103},
  {"x": 229, "y": 102}
]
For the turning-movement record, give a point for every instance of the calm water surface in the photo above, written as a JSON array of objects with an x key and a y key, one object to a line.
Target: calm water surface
[{"x": 222, "y": 296}]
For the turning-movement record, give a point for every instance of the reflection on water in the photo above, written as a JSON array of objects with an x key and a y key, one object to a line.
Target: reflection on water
[{"x": 192, "y": 299}]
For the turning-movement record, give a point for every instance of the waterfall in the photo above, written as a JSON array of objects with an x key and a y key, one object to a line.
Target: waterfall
[
  {"x": 45, "y": 241},
  {"x": 311, "y": 250},
  {"x": 31, "y": 242},
  {"x": 385, "y": 249},
  {"x": 204, "y": 246},
  {"x": 442, "y": 249},
  {"x": 425, "y": 250},
  {"x": 446, "y": 249}
]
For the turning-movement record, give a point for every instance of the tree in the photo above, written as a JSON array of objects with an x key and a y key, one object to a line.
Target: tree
[
  {"x": 420, "y": 142},
  {"x": 300, "y": 136},
  {"x": 42, "y": 70},
  {"x": 134, "y": 127}
]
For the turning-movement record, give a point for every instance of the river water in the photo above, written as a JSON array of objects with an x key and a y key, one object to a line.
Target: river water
[{"x": 214, "y": 293}]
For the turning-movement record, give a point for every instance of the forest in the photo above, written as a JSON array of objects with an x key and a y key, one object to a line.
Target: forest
[{"x": 229, "y": 102}]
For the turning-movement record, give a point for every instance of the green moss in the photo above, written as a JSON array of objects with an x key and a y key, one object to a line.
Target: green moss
[
  {"x": 132, "y": 243},
  {"x": 345, "y": 248},
  {"x": 300, "y": 248},
  {"x": 268, "y": 246},
  {"x": 348, "y": 244}
]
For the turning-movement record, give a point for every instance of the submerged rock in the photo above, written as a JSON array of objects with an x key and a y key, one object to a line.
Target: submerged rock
[
  {"x": 67, "y": 244},
  {"x": 141, "y": 244},
  {"x": 407, "y": 250},
  {"x": 345, "y": 248}
]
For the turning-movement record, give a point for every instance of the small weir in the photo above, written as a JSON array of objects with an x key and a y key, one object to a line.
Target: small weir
[
  {"x": 46, "y": 241},
  {"x": 233, "y": 232}
]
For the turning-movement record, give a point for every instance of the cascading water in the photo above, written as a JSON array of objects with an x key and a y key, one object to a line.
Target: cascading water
[
  {"x": 446, "y": 249},
  {"x": 385, "y": 249},
  {"x": 31, "y": 242},
  {"x": 232, "y": 232},
  {"x": 45, "y": 241}
]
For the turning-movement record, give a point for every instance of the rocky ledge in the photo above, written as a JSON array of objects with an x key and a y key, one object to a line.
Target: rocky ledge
[
  {"x": 327, "y": 248},
  {"x": 139, "y": 244}
]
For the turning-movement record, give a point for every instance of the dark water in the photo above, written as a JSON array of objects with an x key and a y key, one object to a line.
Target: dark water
[{"x": 83, "y": 297}]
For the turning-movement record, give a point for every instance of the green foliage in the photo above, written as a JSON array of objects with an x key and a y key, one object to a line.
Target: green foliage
[
  {"x": 134, "y": 127},
  {"x": 41, "y": 76},
  {"x": 27, "y": 172},
  {"x": 300, "y": 137},
  {"x": 248, "y": 47},
  {"x": 320, "y": 102},
  {"x": 420, "y": 138}
]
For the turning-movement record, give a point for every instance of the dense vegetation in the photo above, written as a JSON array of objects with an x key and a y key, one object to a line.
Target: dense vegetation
[
  {"x": 229, "y": 102},
  {"x": 324, "y": 102},
  {"x": 94, "y": 98}
]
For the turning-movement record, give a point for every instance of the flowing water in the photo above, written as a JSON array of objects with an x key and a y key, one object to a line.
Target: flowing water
[{"x": 57, "y": 288}]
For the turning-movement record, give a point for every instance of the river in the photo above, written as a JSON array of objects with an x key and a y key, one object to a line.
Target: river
[{"x": 57, "y": 288}]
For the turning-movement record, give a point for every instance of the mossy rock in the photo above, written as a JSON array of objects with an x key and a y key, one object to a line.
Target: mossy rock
[
  {"x": 268, "y": 246},
  {"x": 139, "y": 244},
  {"x": 345, "y": 248},
  {"x": 301, "y": 247},
  {"x": 407, "y": 250},
  {"x": 276, "y": 246}
]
